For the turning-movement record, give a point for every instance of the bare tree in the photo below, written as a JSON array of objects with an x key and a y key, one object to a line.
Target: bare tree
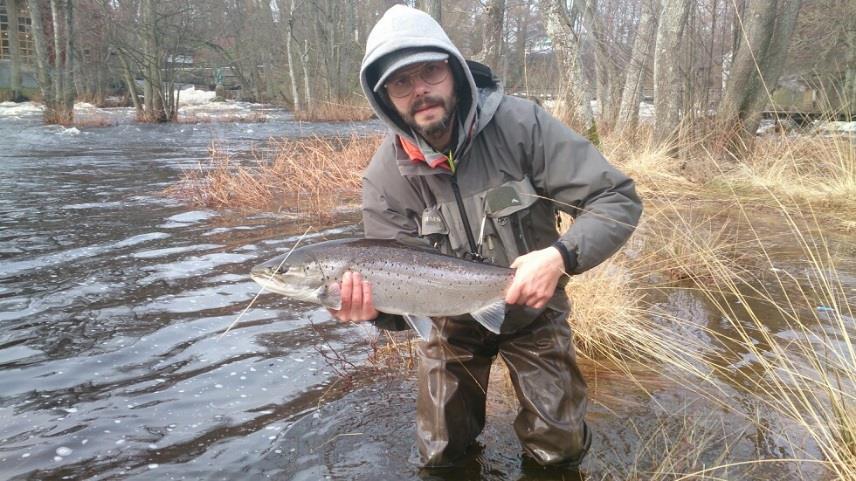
[
  {"x": 493, "y": 36},
  {"x": 433, "y": 7},
  {"x": 765, "y": 33},
  {"x": 576, "y": 89},
  {"x": 667, "y": 69},
  {"x": 58, "y": 96},
  {"x": 631, "y": 95}
]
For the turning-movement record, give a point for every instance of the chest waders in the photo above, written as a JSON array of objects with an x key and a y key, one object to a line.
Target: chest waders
[{"x": 454, "y": 370}]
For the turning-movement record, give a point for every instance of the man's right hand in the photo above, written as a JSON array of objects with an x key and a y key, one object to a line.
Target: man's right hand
[{"x": 356, "y": 299}]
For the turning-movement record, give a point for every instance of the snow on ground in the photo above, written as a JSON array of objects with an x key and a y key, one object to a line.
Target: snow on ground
[
  {"x": 11, "y": 109},
  {"x": 192, "y": 102}
]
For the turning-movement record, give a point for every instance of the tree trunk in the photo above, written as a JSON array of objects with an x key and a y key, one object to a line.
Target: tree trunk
[
  {"x": 766, "y": 31},
  {"x": 58, "y": 69},
  {"x": 289, "y": 35},
  {"x": 433, "y": 8},
  {"x": 576, "y": 89},
  {"x": 849, "y": 104},
  {"x": 304, "y": 60},
  {"x": 153, "y": 84},
  {"x": 631, "y": 96},
  {"x": 132, "y": 84},
  {"x": 12, "y": 12},
  {"x": 667, "y": 69},
  {"x": 493, "y": 34},
  {"x": 68, "y": 76},
  {"x": 606, "y": 74},
  {"x": 42, "y": 62}
]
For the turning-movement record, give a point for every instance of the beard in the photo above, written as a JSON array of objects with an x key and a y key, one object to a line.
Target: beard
[{"x": 438, "y": 127}]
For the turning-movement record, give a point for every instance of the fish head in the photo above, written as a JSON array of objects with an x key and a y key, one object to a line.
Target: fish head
[{"x": 299, "y": 276}]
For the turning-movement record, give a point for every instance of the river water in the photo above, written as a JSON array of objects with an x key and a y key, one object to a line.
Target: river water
[{"x": 113, "y": 299}]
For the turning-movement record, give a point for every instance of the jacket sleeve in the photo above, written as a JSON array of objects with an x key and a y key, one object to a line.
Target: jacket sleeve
[{"x": 602, "y": 200}]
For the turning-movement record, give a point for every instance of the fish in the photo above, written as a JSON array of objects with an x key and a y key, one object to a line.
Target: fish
[{"x": 417, "y": 283}]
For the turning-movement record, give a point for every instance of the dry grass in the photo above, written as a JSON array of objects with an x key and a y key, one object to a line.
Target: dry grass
[
  {"x": 798, "y": 361},
  {"x": 349, "y": 111},
  {"x": 310, "y": 177},
  {"x": 202, "y": 118},
  {"x": 811, "y": 168},
  {"x": 94, "y": 120}
]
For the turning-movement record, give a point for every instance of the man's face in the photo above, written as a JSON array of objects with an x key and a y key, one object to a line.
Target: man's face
[{"x": 427, "y": 107}]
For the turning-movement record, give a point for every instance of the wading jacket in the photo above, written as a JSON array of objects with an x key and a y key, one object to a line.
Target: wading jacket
[{"x": 516, "y": 167}]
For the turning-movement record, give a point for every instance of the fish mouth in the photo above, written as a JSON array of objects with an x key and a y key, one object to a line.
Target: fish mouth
[{"x": 272, "y": 284}]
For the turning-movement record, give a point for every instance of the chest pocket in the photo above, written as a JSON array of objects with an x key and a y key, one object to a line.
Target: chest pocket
[
  {"x": 506, "y": 213},
  {"x": 498, "y": 218}
]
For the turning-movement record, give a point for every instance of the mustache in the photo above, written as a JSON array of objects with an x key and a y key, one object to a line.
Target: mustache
[{"x": 427, "y": 101}]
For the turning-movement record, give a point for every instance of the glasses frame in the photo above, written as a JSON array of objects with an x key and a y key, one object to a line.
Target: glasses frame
[{"x": 420, "y": 72}]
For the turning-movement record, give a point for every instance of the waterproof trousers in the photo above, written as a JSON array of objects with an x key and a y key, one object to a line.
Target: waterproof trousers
[{"x": 453, "y": 378}]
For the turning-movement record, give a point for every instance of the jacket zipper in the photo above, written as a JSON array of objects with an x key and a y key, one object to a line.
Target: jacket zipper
[{"x": 470, "y": 239}]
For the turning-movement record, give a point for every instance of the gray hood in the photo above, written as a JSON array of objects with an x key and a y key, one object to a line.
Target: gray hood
[{"x": 404, "y": 27}]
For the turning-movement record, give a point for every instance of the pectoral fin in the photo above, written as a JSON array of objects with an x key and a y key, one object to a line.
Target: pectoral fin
[
  {"x": 422, "y": 325},
  {"x": 491, "y": 316},
  {"x": 329, "y": 296}
]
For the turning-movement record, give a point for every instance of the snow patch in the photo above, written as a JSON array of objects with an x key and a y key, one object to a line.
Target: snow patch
[{"x": 12, "y": 109}]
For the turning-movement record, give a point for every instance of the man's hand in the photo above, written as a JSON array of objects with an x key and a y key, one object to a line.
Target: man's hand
[
  {"x": 535, "y": 280},
  {"x": 356, "y": 299}
]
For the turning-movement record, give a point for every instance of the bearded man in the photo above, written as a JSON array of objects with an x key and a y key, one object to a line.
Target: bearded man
[{"x": 482, "y": 175}]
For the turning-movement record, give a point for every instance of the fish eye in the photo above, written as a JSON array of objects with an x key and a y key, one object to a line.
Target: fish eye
[{"x": 282, "y": 270}]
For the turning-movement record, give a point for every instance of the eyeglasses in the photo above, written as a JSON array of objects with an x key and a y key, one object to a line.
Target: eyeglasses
[{"x": 432, "y": 73}]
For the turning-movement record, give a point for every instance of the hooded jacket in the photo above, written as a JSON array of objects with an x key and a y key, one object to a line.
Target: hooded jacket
[{"x": 516, "y": 167}]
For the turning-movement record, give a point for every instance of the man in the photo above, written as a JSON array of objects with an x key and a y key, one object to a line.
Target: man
[{"x": 478, "y": 174}]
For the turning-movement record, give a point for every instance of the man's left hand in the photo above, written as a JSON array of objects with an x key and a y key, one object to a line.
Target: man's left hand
[{"x": 535, "y": 280}]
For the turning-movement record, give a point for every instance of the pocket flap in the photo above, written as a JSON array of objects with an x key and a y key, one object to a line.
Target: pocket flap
[
  {"x": 509, "y": 198},
  {"x": 432, "y": 222}
]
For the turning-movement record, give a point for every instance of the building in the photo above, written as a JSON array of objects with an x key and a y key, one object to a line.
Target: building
[{"x": 25, "y": 46}]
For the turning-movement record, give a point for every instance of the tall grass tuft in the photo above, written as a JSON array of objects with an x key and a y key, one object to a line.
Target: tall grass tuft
[
  {"x": 346, "y": 111},
  {"x": 310, "y": 177}
]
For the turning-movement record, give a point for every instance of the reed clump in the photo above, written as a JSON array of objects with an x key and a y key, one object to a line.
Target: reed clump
[
  {"x": 311, "y": 177},
  {"x": 347, "y": 111}
]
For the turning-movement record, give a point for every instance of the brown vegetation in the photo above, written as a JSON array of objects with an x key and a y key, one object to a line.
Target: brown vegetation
[
  {"x": 353, "y": 111},
  {"x": 310, "y": 177},
  {"x": 199, "y": 118}
]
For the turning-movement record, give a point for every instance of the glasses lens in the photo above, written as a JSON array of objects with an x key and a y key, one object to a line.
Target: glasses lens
[
  {"x": 434, "y": 72},
  {"x": 400, "y": 87},
  {"x": 430, "y": 73}
]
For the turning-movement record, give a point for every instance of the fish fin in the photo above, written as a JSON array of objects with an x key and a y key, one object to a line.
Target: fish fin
[
  {"x": 421, "y": 324},
  {"x": 330, "y": 296},
  {"x": 491, "y": 316}
]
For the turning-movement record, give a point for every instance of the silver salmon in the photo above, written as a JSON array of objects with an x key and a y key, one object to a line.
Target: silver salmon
[{"x": 417, "y": 283}]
